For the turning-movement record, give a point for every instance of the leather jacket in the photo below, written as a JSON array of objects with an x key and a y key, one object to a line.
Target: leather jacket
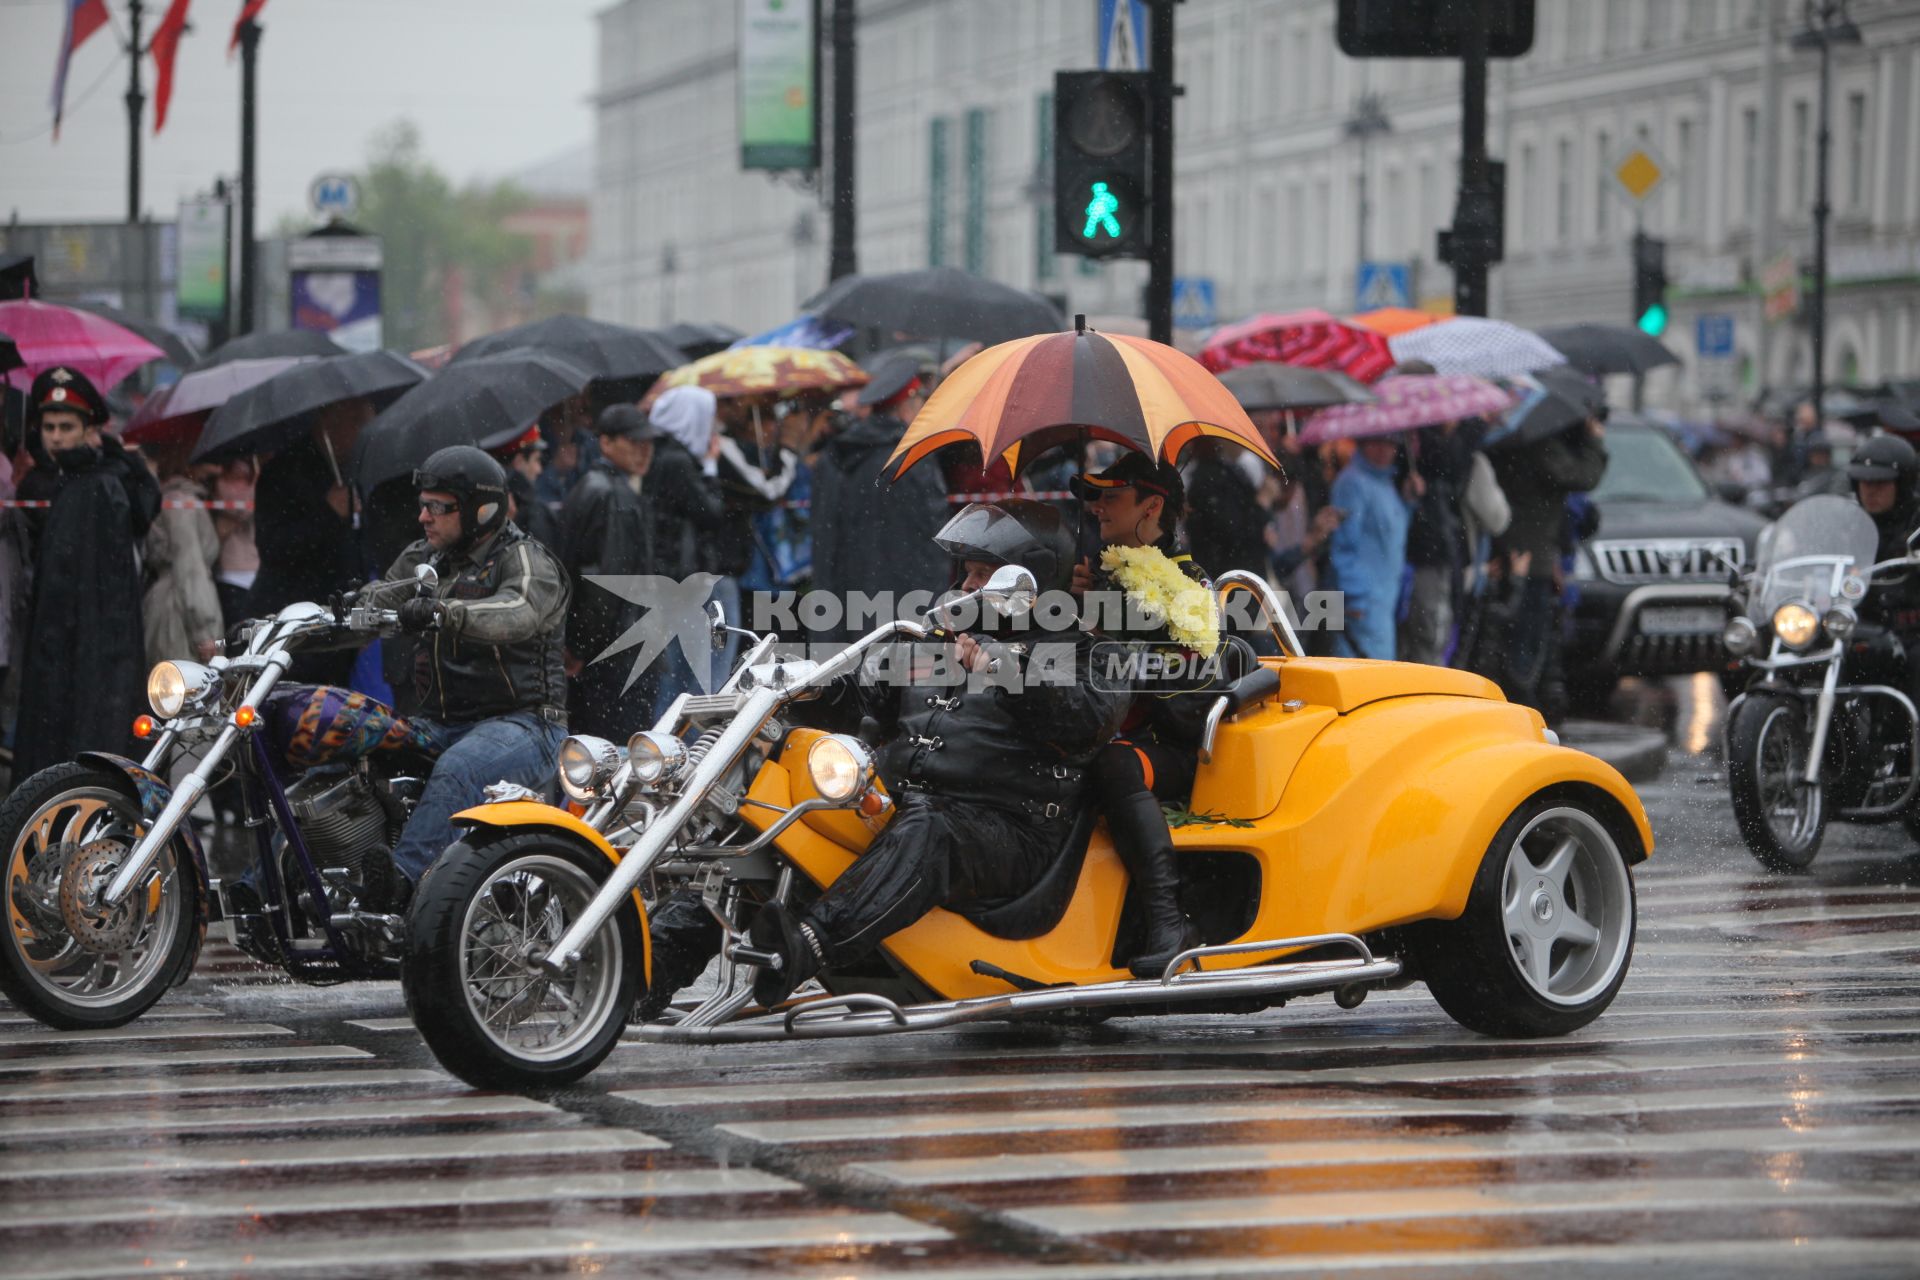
[
  {"x": 605, "y": 528},
  {"x": 1024, "y": 748},
  {"x": 498, "y": 647}
]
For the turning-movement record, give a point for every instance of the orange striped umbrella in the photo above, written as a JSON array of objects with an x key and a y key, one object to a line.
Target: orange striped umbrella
[
  {"x": 1391, "y": 322},
  {"x": 1024, "y": 397}
]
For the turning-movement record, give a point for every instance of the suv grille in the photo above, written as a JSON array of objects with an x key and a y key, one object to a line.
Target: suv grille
[{"x": 1668, "y": 559}]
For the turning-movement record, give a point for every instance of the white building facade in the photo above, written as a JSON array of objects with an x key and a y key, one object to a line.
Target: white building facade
[{"x": 954, "y": 110}]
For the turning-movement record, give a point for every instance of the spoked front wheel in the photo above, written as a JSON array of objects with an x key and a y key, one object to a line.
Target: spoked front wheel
[
  {"x": 481, "y": 920},
  {"x": 1782, "y": 816},
  {"x": 68, "y": 960}
]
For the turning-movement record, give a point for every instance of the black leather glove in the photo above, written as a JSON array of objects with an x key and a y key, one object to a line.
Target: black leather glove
[{"x": 419, "y": 614}]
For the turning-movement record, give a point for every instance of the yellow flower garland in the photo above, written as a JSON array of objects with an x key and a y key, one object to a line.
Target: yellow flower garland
[{"x": 1153, "y": 580}]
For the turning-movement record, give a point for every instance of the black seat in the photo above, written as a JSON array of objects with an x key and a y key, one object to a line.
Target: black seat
[{"x": 1039, "y": 909}]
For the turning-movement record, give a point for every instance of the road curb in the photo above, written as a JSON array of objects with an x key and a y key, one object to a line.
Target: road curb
[{"x": 1639, "y": 754}]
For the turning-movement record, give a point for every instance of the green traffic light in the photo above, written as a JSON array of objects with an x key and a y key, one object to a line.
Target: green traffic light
[
  {"x": 1100, "y": 212},
  {"x": 1653, "y": 321}
]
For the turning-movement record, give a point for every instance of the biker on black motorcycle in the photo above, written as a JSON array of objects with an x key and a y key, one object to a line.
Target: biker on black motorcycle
[
  {"x": 989, "y": 776},
  {"x": 1885, "y": 472}
]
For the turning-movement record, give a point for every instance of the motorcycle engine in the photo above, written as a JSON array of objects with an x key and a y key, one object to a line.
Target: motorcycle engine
[{"x": 340, "y": 817}]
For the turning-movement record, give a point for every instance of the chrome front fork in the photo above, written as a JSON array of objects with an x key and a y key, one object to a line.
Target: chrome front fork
[{"x": 1822, "y": 722}]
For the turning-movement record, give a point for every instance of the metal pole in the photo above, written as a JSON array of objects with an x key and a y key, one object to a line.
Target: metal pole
[
  {"x": 1160, "y": 250},
  {"x": 220, "y": 330},
  {"x": 249, "y": 65},
  {"x": 843, "y": 257},
  {"x": 1820, "y": 211},
  {"x": 1473, "y": 218},
  {"x": 1762, "y": 189},
  {"x": 136, "y": 99}
]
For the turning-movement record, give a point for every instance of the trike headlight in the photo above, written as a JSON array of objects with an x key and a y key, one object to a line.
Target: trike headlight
[
  {"x": 654, "y": 756},
  {"x": 1839, "y": 622},
  {"x": 840, "y": 768},
  {"x": 172, "y": 687},
  {"x": 586, "y": 765},
  {"x": 1739, "y": 637},
  {"x": 1795, "y": 624}
]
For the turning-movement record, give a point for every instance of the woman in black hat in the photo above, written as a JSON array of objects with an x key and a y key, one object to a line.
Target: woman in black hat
[{"x": 84, "y": 666}]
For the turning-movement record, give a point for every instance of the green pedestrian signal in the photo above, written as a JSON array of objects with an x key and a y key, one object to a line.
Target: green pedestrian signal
[
  {"x": 1653, "y": 321},
  {"x": 1100, "y": 214}
]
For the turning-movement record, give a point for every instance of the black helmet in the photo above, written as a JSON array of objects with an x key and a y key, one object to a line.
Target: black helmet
[
  {"x": 472, "y": 476},
  {"x": 1014, "y": 531},
  {"x": 1885, "y": 458}
]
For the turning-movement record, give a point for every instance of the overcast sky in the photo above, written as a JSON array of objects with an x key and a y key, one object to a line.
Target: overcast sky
[{"x": 494, "y": 85}]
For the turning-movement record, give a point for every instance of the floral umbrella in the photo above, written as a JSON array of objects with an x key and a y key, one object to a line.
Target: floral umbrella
[
  {"x": 1407, "y": 402},
  {"x": 775, "y": 372},
  {"x": 1023, "y": 397},
  {"x": 1312, "y": 339}
]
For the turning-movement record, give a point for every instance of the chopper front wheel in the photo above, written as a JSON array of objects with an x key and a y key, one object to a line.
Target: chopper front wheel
[
  {"x": 64, "y": 958},
  {"x": 481, "y": 918},
  {"x": 1782, "y": 817}
]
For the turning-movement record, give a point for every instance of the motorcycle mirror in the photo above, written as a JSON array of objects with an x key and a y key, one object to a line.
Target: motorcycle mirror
[
  {"x": 428, "y": 577},
  {"x": 717, "y": 623},
  {"x": 1011, "y": 591}
]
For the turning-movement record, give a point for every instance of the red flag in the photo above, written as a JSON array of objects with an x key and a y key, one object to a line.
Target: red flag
[
  {"x": 84, "y": 17},
  {"x": 166, "y": 43},
  {"x": 248, "y": 13}
]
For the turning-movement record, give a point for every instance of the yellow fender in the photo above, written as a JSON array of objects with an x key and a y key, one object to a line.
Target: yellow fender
[{"x": 509, "y": 814}]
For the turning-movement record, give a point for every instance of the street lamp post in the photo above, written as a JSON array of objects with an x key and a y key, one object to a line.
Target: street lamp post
[
  {"x": 1827, "y": 25},
  {"x": 1369, "y": 119}
]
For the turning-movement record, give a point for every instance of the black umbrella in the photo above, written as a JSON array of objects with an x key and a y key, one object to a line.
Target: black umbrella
[
  {"x": 603, "y": 349},
  {"x": 938, "y": 302},
  {"x": 697, "y": 340},
  {"x": 178, "y": 413},
  {"x": 1608, "y": 348},
  {"x": 275, "y": 413},
  {"x": 1575, "y": 386},
  {"x": 1544, "y": 410},
  {"x": 1268, "y": 385},
  {"x": 178, "y": 351},
  {"x": 9, "y": 354},
  {"x": 486, "y": 402},
  {"x": 282, "y": 344}
]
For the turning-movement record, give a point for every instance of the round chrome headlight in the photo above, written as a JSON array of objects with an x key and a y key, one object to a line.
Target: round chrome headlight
[
  {"x": 1739, "y": 637},
  {"x": 839, "y": 767},
  {"x": 1795, "y": 624},
  {"x": 586, "y": 765},
  {"x": 654, "y": 756},
  {"x": 1839, "y": 622},
  {"x": 172, "y": 687}
]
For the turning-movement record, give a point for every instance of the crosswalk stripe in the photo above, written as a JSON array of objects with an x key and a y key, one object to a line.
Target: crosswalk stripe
[
  {"x": 186, "y": 1058},
  {"x": 145, "y": 1031},
  {"x": 1666, "y": 1195},
  {"x": 11, "y": 1017},
  {"x": 579, "y": 1244},
  {"x": 1171, "y": 1161},
  {"x": 295, "y": 1119},
  {"x": 91, "y": 1089},
  {"x": 937, "y": 1086},
  {"x": 352, "y": 1197}
]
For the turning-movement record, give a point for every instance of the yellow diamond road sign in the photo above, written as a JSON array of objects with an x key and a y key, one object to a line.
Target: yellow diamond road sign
[{"x": 1638, "y": 174}]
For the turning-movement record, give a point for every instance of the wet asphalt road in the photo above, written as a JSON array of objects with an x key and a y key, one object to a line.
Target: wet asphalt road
[{"x": 1749, "y": 1106}]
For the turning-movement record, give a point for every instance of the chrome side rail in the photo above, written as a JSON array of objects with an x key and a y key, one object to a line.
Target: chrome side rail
[{"x": 1194, "y": 955}]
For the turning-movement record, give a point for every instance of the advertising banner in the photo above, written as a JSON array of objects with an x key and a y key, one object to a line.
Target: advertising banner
[
  {"x": 344, "y": 305},
  {"x": 779, "y": 80},
  {"x": 201, "y": 289}
]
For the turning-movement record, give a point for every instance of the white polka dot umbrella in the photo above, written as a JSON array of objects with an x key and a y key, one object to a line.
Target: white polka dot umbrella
[{"x": 1471, "y": 344}]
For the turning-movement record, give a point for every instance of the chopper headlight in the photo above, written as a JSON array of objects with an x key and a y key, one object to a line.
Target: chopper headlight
[
  {"x": 1739, "y": 637},
  {"x": 654, "y": 756},
  {"x": 1795, "y": 624},
  {"x": 586, "y": 765},
  {"x": 1839, "y": 622},
  {"x": 172, "y": 687},
  {"x": 839, "y": 767}
]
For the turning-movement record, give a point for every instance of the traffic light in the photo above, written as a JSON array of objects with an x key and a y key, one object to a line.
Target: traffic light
[
  {"x": 1650, "y": 284},
  {"x": 1430, "y": 28},
  {"x": 1102, "y": 163}
]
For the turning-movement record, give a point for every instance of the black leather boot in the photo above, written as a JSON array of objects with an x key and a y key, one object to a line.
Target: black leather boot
[
  {"x": 776, "y": 930},
  {"x": 1140, "y": 834}
]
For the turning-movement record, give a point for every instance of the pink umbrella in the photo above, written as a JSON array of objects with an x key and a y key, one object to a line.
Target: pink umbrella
[
  {"x": 1309, "y": 339},
  {"x": 49, "y": 335},
  {"x": 1405, "y": 403}
]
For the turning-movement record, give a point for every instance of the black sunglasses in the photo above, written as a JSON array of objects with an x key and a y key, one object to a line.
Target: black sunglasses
[{"x": 438, "y": 507}]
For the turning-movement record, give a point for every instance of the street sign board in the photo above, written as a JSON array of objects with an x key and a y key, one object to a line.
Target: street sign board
[
  {"x": 1713, "y": 335},
  {"x": 1123, "y": 35},
  {"x": 1193, "y": 306},
  {"x": 778, "y": 74},
  {"x": 200, "y": 289},
  {"x": 1780, "y": 284},
  {"x": 334, "y": 195},
  {"x": 1382, "y": 284},
  {"x": 1638, "y": 171}
]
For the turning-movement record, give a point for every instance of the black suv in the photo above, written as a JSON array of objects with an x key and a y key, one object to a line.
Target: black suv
[{"x": 1653, "y": 580}]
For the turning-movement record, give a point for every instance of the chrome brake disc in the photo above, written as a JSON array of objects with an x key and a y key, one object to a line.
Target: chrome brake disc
[{"x": 88, "y": 871}]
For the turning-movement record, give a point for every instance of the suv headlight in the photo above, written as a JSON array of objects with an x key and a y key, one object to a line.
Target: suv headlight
[
  {"x": 172, "y": 687},
  {"x": 586, "y": 765},
  {"x": 839, "y": 767},
  {"x": 1739, "y": 637},
  {"x": 654, "y": 756},
  {"x": 1795, "y": 624}
]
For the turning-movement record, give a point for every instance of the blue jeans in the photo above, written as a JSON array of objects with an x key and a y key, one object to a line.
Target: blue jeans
[{"x": 515, "y": 748}]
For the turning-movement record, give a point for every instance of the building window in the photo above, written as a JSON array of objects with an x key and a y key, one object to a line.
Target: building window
[
  {"x": 1802, "y": 153},
  {"x": 1045, "y": 265},
  {"x": 1602, "y": 198},
  {"x": 976, "y": 185},
  {"x": 1683, "y": 185},
  {"x": 1296, "y": 230},
  {"x": 1750, "y": 162},
  {"x": 1856, "y": 151},
  {"x": 1523, "y": 198},
  {"x": 1563, "y": 193},
  {"x": 937, "y": 192}
]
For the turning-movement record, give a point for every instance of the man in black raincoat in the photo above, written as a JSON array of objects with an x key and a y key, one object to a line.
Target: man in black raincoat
[
  {"x": 606, "y": 528},
  {"x": 988, "y": 779},
  {"x": 870, "y": 536},
  {"x": 85, "y": 660}
]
